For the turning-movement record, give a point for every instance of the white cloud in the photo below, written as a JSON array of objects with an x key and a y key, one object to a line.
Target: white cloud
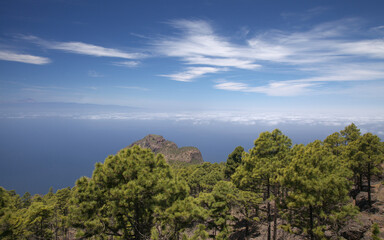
[
  {"x": 232, "y": 86},
  {"x": 271, "y": 89},
  {"x": 235, "y": 117},
  {"x": 24, "y": 58},
  {"x": 284, "y": 89},
  {"x": 330, "y": 42},
  {"x": 198, "y": 42},
  {"x": 199, "y": 45},
  {"x": 84, "y": 48},
  {"x": 222, "y": 62},
  {"x": 129, "y": 64},
  {"x": 370, "y": 48},
  {"x": 313, "y": 85},
  {"x": 326, "y": 53},
  {"x": 192, "y": 73},
  {"x": 93, "y": 50}
]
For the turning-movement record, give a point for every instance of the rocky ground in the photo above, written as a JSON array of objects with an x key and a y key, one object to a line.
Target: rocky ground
[{"x": 358, "y": 228}]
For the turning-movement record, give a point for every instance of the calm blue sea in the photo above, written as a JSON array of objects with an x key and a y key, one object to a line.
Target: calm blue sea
[{"x": 36, "y": 154}]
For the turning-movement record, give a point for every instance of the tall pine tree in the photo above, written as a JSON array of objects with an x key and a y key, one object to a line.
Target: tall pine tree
[
  {"x": 261, "y": 168},
  {"x": 318, "y": 187},
  {"x": 124, "y": 193}
]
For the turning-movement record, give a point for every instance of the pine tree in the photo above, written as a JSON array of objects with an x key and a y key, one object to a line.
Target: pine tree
[
  {"x": 318, "y": 188},
  {"x": 233, "y": 161},
  {"x": 260, "y": 169},
  {"x": 11, "y": 216},
  {"x": 26, "y": 199},
  {"x": 247, "y": 207},
  {"x": 171, "y": 223},
  {"x": 123, "y": 194},
  {"x": 39, "y": 218},
  {"x": 61, "y": 212},
  {"x": 198, "y": 234},
  {"x": 370, "y": 156},
  {"x": 202, "y": 178},
  {"x": 219, "y": 204},
  {"x": 335, "y": 143},
  {"x": 350, "y": 135}
]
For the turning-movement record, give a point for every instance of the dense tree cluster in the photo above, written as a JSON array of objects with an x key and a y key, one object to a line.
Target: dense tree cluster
[{"x": 135, "y": 194}]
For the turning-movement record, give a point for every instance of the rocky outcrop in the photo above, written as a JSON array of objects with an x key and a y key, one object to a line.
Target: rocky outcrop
[
  {"x": 170, "y": 150},
  {"x": 361, "y": 226},
  {"x": 355, "y": 229}
]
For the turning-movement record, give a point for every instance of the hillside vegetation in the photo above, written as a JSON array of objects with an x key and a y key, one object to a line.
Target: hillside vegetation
[{"x": 329, "y": 189}]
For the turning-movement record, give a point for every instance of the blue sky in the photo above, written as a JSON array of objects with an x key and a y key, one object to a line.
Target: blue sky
[
  {"x": 240, "y": 61},
  {"x": 93, "y": 76}
]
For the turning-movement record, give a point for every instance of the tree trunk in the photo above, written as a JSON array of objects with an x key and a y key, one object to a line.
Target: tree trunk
[
  {"x": 56, "y": 227},
  {"x": 246, "y": 224},
  {"x": 310, "y": 223},
  {"x": 275, "y": 222},
  {"x": 277, "y": 193},
  {"x": 246, "y": 229},
  {"x": 137, "y": 222},
  {"x": 360, "y": 182},
  {"x": 369, "y": 185},
  {"x": 269, "y": 211},
  {"x": 177, "y": 232}
]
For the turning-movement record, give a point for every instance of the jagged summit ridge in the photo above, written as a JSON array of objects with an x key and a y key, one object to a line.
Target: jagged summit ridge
[{"x": 169, "y": 149}]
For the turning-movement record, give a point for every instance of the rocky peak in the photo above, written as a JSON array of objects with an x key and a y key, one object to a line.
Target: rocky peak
[{"x": 170, "y": 150}]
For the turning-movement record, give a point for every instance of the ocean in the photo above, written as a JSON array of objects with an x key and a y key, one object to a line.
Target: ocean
[{"x": 39, "y": 153}]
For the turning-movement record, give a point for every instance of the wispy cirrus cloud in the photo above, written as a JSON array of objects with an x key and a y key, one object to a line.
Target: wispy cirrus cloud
[
  {"x": 222, "y": 62},
  {"x": 271, "y": 89},
  {"x": 337, "y": 51},
  {"x": 331, "y": 40},
  {"x": 312, "y": 85},
  {"x": 84, "y": 48},
  {"x": 192, "y": 73},
  {"x": 370, "y": 48},
  {"x": 6, "y": 55},
  {"x": 346, "y": 73},
  {"x": 199, "y": 45},
  {"x": 129, "y": 64}
]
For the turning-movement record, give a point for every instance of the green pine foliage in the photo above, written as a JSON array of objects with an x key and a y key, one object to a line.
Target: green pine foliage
[
  {"x": 219, "y": 204},
  {"x": 61, "y": 207},
  {"x": 39, "y": 219},
  {"x": 318, "y": 184},
  {"x": 246, "y": 207},
  {"x": 261, "y": 168},
  {"x": 202, "y": 178},
  {"x": 181, "y": 215},
  {"x": 350, "y": 133},
  {"x": 233, "y": 161},
  {"x": 11, "y": 216},
  {"x": 124, "y": 194},
  {"x": 370, "y": 155}
]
